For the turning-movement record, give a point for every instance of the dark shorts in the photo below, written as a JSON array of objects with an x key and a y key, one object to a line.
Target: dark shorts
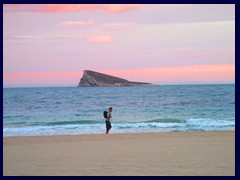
[{"x": 108, "y": 125}]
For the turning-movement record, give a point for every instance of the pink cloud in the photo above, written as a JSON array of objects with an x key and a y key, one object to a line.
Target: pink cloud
[
  {"x": 172, "y": 6},
  {"x": 61, "y": 8},
  {"x": 118, "y": 8},
  {"x": 100, "y": 39},
  {"x": 76, "y": 24},
  {"x": 119, "y": 26}
]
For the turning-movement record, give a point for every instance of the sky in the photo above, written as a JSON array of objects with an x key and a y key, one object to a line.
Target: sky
[{"x": 51, "y": 44}]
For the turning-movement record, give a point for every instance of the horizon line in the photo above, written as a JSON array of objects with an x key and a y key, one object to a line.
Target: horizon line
[{"x": 157, "y": 84}]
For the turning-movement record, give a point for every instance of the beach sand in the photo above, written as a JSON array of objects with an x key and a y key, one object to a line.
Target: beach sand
[{"x": 175, "y": 153}]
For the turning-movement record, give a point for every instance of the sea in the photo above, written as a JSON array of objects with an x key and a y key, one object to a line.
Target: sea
[{"x": 79, "y": 110}]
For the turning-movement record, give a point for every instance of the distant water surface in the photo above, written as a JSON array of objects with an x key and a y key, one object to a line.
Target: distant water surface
[{"x": 73, "y": 110}]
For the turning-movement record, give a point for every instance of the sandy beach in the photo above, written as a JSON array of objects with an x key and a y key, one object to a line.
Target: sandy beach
[{"x": 170, "y": 154}]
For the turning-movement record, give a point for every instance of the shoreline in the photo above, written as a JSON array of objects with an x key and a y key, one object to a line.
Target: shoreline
[
  {"x": 114, "y": 132},
  {"x": 163, "y": 153}
]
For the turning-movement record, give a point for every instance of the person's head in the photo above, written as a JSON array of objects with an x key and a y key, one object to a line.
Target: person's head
[{"x": 110, "y": 109}]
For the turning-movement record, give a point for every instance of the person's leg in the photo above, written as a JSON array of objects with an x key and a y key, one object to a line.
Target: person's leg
[{"x": 108, "y": 126}]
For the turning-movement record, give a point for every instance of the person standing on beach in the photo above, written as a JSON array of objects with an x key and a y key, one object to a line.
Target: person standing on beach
[{"x": 108, "y": 123}]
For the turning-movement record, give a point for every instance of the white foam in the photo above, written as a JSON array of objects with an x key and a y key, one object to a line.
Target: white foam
[{"x": 187, "y": 125}]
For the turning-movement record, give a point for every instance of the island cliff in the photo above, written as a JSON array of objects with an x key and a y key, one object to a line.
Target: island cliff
[{"x": 92, "y": 79}]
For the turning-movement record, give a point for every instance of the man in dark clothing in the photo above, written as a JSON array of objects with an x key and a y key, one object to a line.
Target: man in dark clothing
[{"x": 108, "y": 123}]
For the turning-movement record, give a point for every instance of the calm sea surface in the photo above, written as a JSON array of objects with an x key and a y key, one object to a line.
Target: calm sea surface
[{"x": 73, "y": 110}]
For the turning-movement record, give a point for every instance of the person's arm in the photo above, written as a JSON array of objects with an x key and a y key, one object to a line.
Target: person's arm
[{"x": 109, "y": 116}]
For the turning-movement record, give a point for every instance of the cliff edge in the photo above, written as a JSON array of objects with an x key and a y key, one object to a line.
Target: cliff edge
[{"x": 95, "y": 79}]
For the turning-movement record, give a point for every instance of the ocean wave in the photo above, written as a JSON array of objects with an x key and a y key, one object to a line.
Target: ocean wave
[
  {"x": 72, "y": 122},
  {"x": 18, "y": 123},
  {"x": 12, "y": 116},
  {"x": 167, "y": 120},
  {"x": 54, "y": 123},
  {"x": 91, "y": 126},
  {"x": 209, "y": 123}
]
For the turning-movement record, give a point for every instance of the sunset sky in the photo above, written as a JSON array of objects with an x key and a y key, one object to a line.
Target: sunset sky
[{"x": 50, "y": 45}]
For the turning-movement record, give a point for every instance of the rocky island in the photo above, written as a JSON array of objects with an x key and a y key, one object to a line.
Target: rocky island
[{"x": 96, "y": 79}]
